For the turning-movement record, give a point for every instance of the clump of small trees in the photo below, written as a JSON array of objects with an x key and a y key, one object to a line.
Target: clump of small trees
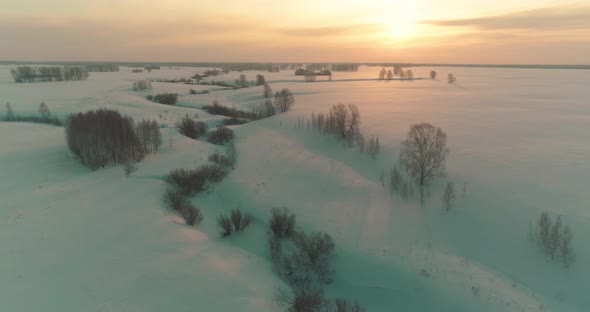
[
  {"x": 553, "y": 239},
  {"x": 164, "y": 98},
  {"x": 433, "y": 74},
  {"x": 344, "y": 122},
  {"x": 242, "y": 81},
  {"x": 150, "y": 137},
  {"x": 142, "y": 85},
  {"x": 104, "y": 136},
  {"x": 189, "y": 128}
]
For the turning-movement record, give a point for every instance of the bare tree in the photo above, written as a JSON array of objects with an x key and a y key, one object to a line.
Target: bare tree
[
  {"x": 44, "y": 110},
  {"x": 424, "y": 151},
  {"x": 267, "y": 91},
  {"x": 260, "y": 80},
  {"x": 449, "y": 197},
  {"x": 433, "y": 75},
  {"x": 243, "y": 82},
  {"x": 410, "y": 74},
  {"x": 284, "y": 100},
  {"x": 389, "y": 75},
  {"x": 9, "y": 112},
  {"x": 452, "y": 78}
]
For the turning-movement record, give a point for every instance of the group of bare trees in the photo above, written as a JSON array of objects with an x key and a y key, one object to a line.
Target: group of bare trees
[
  {"x": 104, "y": 136},
  {"x": 54, "y": 73},
  {"x": 553, "y": 239},
  {"x": 385, "y": 74},
  {"x": 242, "y": 82},
  {"x": 260, "y": 80},
  {"x": 267, "y": 91},
  {"x": 142, "y": 85},
  {"x": 343, "y": 121}
]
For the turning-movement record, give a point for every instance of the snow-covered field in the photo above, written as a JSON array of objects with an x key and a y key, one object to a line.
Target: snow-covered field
[{"x": 79, "y": 240}]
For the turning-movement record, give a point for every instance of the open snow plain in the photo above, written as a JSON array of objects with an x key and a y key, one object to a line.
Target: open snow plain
[{"x": 80, "y": 240}]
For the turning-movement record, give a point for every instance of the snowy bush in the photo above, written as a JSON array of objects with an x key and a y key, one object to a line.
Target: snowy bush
[
  {"x": 221, "y": 135},
  {"x": 282, "y": 223},
  {"x": 190, "y": 128},
  {"x": 101, "y": 137},
  {"x": 225, "y": 226},
  {"x": 553, "y": 239}
]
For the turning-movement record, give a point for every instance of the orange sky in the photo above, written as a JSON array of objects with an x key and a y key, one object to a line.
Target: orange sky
[{"x": 441, "y": 31}]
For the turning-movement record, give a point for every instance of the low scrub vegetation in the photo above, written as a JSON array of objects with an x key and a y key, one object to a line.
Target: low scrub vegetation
[
  {"x": 191, "y": 214},
  {"x": 189, "y": 128},
  {"x": 553, "y": 239},
  {"x": 221, "y": 135},
  {"x": 193, "y": 181},
  {"x": 163, "y": 98}
]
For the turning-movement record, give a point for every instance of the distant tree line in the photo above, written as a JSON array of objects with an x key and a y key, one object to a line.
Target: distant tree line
[
  {"x": 101, "y": 67},
  {"x": 307, "y": 72},
  {"x": 104, "y": 136},
  {"x": 55, "y": 73},
  {"x": 345, "y": 67}
]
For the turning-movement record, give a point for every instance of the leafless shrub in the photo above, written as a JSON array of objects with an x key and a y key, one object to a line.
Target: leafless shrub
[
  {"x": 174, "y": 199},
  {"x": 240, "y": 220},
  {"x": 225, "y": 226},
  {"x": 44, "y": 111},
  {"x": 282, "y": 223}
]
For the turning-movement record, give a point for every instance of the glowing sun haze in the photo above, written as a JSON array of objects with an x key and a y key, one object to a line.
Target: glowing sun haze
[{"x": 441, "y": 31}]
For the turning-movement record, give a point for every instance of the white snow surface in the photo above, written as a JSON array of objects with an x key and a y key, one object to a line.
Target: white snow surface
[{"x": 80, "y": 240}]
